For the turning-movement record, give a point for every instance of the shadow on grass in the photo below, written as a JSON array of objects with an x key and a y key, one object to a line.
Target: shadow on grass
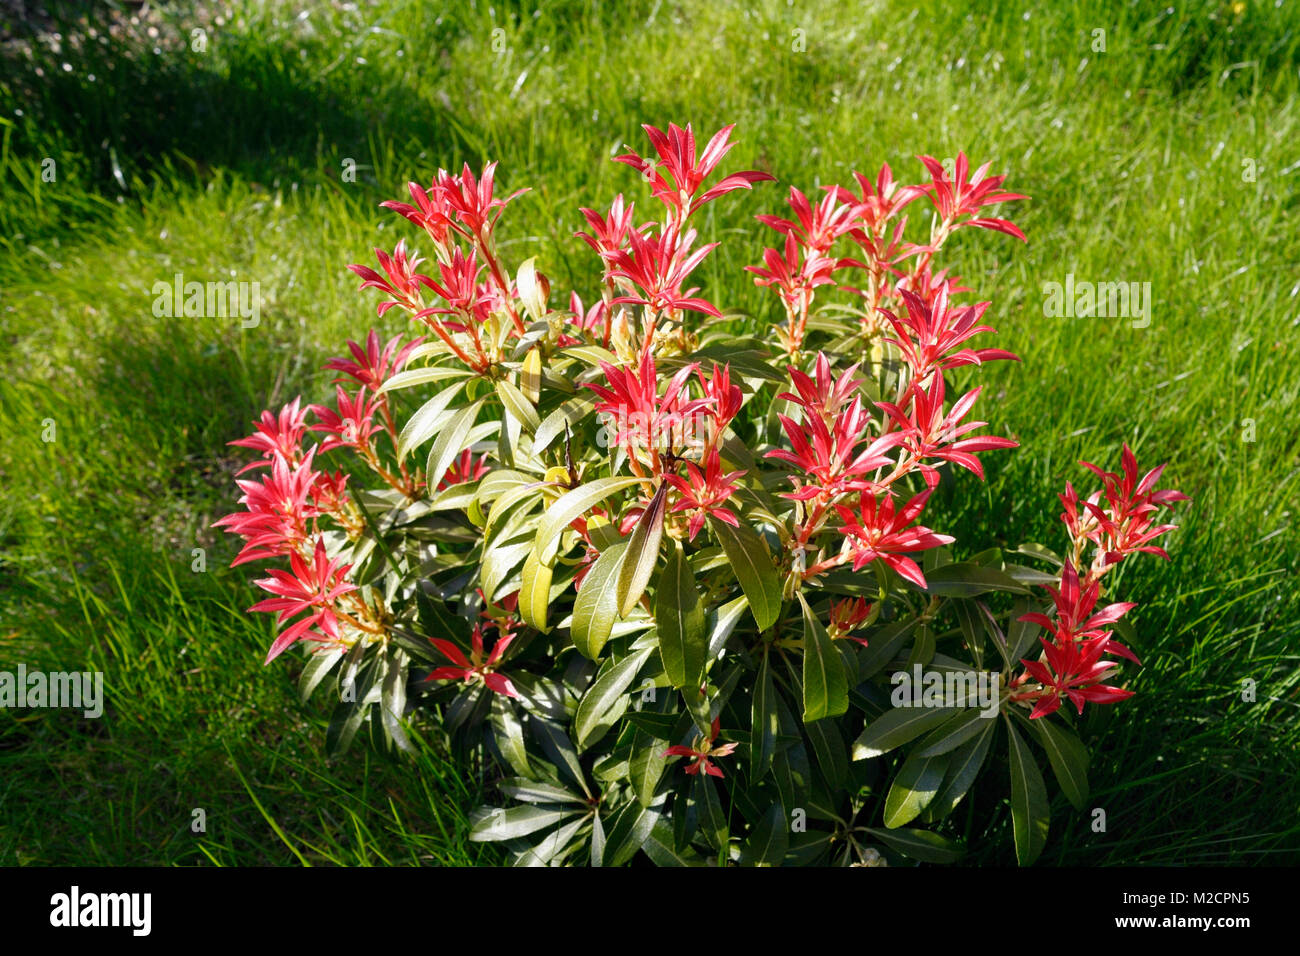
[{"x": 115, "y": 100}]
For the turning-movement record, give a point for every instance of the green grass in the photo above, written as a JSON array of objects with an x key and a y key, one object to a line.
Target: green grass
[{"x": 227, "y": 162}]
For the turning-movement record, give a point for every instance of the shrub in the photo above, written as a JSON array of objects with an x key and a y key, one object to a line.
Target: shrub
[{"x": 667, "y": 583}]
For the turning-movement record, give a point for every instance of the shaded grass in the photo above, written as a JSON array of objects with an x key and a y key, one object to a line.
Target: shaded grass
[
  {"x": 228, "y": 164},
  {"x": 198, "y": 757}
]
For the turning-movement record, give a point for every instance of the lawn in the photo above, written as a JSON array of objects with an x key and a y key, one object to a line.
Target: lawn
[{"x": 254, "y": 142}]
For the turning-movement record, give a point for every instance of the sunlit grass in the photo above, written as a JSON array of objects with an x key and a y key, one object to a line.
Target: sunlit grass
[{"x": 229, "y": 163}]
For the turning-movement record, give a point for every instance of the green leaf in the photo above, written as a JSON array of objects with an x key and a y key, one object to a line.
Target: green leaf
[
  {"x": 603, "y": 536},
  {"x": 810, "y": 848},
  {"x": 422, "y": 376},
  {"x": 569, "y": 413},
  {"x": 646, "y": 765},
  {"x": 967, "y": 580},
  {"x": 923, "y": 648},
  {"x": 828, "y": 747},
  {"x": 1021, "y": 634},
  {"x": 679, "y": 617},
  {"x": 392, "y": 702},
  {"x": 534, "y": 791},
  {"x": 721, "y": 621},
  {"x": 963, "y": 767},
  {"x": 713, "y": 818},
  {"x": 883, "y": 647},
  {"x": 508, "y": 734},
  {"x": 535, "y": 592},
  {"x": 825, "y": 685},
  {"x": 595, "y": 609},
  {"x": 518, "y": 405},
  {"x": 685, "y": 818},
  {"x": 766, "y": 721},
  {"x": 500, "y": 480},
  {"x": 642, "y": 552},
  {"x": 590, "y": 354},
  {"x": 768, "y": 840},
  {"x": 554, "y": 847},
  {"x": 343, "y": 726},
  {"x": 458, "y": 497},
  {"x": 450, "y": 442},
  {"x": 752, "y": 562},
  {"x": 660, "y": 847},
  {"x": 792, "y": 774},
  {"x": 971, "y": 628},
  {"x": 896, "y": 727},
  {"x": 437, "y": 620},
  {"x": 500, "y": 558},
  {"x": 506, "y": 509},
  {"x": 920, "y": 844},
  {"x": 353, "y": 663},
  {"x": 631, "y": 826},
  {"x": 530, "y": 376},
  {"x": 559, "y": 749},
  {"x": 914, "y": 787},
  {"x": 490, "y": 824},
  {"x": 1040, "y": 551},
  {"x": 606, "y": 699},
  {"x": 529, "y": 290},
  {"x": 661, "y": 726},
  {"x": 597, "y": 830},
  {"x": 318, "y": 667},
  {"x": 421, "y": 426},
  {"x": 749, "y": 362},
  {"x": 951, "y": 734},
  {"x": 611, "y": 768},
  {"x": 569, "y": 506},
  {"x": 1030, "y": 811},
  {"x": 1031, "y": 577},
  {"x": 467, "y": 708},
  {"x": 1069, "y": 758}
]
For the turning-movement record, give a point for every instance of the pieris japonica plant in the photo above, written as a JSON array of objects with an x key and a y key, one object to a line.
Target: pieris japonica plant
[{"x": 671, "y": 587}]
